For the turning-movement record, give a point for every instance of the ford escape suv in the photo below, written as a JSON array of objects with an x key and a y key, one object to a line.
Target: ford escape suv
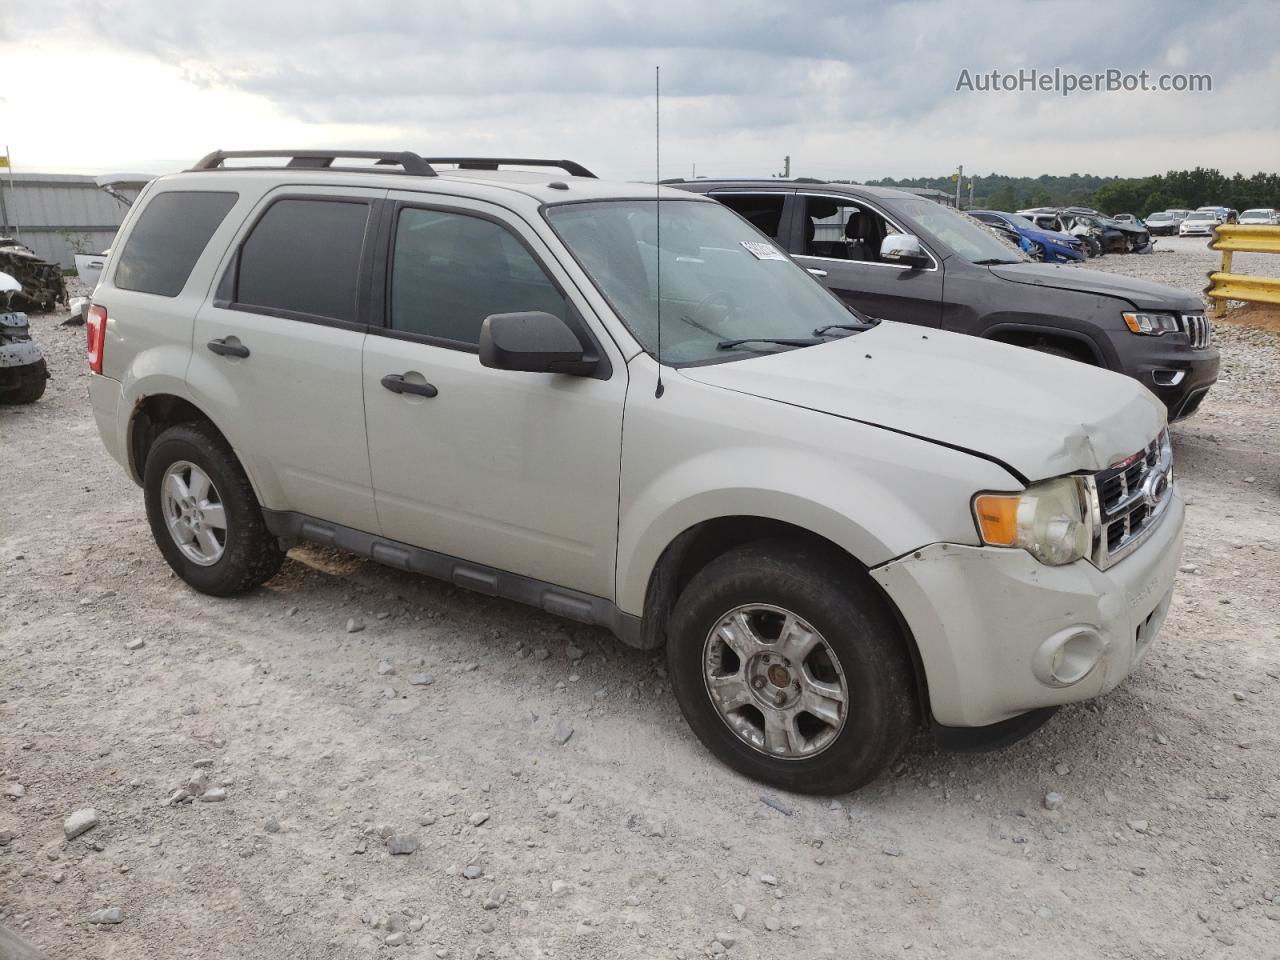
[
  {"x": 889, "y": 253},
  {"x": 626, "y": 406}
]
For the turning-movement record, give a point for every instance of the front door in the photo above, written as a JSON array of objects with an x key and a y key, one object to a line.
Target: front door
[
  {"x": 838, "y": 240},
  {"x": 517, "y": 471}
]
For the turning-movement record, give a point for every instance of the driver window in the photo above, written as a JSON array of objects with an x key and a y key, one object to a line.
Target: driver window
[{"x": 838, "y": 229}]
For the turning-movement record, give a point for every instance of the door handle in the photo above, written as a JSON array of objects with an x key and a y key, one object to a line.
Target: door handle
[
  {"x": 396, "y": 383},
  {"x": 224, "y": 348},
  {"x": 816, "y": 272}
]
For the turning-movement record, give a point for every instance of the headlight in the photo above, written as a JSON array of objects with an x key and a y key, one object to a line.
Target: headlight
[
  {"x": 1151, "y": 324},
  {"x": 1052, "y": 520}
]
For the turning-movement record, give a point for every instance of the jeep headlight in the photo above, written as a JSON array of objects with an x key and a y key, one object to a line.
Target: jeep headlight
[
  {"x": 1052, "y": 520},
  {"x": 1151, "y": 324}
]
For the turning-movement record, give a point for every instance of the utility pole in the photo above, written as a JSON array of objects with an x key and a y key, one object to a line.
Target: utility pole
[
  {"x": 971, "y": 179},
  {"x": 959, "y": 180},
  {"x": 786, "y": 167}
]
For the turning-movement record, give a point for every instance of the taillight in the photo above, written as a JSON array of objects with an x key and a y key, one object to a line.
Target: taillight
[{"x": 95, "y": 332}]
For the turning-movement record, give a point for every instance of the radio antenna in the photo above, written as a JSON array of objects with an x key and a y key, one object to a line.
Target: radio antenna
[{"x": 657, "y": 209}]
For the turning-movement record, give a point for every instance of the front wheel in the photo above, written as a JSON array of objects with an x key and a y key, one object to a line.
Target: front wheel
[
  {"x": 204, "y": 515},
  {"x": 790, "y": 670}
]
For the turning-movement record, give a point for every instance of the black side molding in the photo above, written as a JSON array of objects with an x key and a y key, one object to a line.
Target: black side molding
[{"x": 560, "y": 601}]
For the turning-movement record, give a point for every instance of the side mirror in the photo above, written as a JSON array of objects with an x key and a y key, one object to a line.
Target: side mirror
[
  {"x": 534, "y": 342},
  {"x": 904, "y": 249}
]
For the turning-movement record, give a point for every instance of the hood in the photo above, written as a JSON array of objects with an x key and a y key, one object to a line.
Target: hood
[
  {"x": 1051, "y": 236},
  {"x": 1141, "y": 294},
  {"x": 1041, "y": 415}
]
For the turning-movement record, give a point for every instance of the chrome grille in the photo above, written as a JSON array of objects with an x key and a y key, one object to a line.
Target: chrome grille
[
  {"x": 1129, "y": 499},
  {"x": 1196, "y": 327}
]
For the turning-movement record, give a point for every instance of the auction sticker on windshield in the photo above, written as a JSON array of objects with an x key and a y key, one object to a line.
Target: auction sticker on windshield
[{"x": 763, "y": 251}]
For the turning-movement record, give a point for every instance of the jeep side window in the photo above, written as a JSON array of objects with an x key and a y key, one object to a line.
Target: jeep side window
[
  {"x": 762, "y": 211},
  {"x": 170, "y": 235},
  {"x": 450, "y": 271},
  {"x": 303, "y": 257},
  {"x": 842, "y": 230}
]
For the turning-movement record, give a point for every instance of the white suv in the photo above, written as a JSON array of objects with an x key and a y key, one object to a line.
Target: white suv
[{"x": 838, "y": 528}]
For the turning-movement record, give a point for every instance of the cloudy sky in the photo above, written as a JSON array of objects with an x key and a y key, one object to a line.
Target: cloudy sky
[{"x": 848, "y": 89}]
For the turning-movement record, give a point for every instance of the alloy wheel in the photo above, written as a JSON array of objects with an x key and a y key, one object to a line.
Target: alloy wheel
[{"x": 193, "y": 513}]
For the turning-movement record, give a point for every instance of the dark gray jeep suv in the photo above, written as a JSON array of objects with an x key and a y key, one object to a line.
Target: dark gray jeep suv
[{"x": 892, "y": 254}]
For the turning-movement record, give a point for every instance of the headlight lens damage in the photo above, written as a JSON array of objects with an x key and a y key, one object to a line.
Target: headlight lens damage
[{"x": 1051, "y": 520}]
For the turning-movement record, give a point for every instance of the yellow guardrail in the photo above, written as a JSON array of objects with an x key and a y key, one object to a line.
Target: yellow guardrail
[{"x": 1224, "y": 285}]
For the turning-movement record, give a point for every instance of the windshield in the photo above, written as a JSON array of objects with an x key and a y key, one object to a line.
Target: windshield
[
  {"x": 1018, "y": 221},
  {"x": 721, "y": 280},
  {"x": 1160, "y": 216},
  {"x": 965, "y": 238},
  {"x": 1256, "y": 213}
]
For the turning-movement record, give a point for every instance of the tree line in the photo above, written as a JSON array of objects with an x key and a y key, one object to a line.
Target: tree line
[{"x": 1138, "y": 195}]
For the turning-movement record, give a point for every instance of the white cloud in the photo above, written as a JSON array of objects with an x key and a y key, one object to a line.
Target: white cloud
[{"x": 847, "y": 91}]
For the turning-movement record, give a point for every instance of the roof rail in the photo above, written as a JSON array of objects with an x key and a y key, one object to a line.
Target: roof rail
[
  {"x": 409, "y": 162},
  {"x": 493, "y": 163}
]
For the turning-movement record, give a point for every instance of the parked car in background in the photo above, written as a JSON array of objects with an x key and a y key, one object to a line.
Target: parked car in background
[
  {"x": 1128, "y": 218},
  {"x": 1260, "y": 215},
  {"x": 840, "y": 530},
  {"x": 1083, "y": 229},
  {"x": 1224, "y": 214},
  {"x": 892, "y": 254},
  {"x": 1045, "y": 245},
  {"x": 1121, "y": 236},
  {"x": 1165, "y": 223},
  {"x": 1199, "y": 223}
]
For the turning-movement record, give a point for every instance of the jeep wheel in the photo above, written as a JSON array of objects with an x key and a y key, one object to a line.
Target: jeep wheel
[
  {"x": 30, "y": 388},
  {"x": 789, "y": 669},
  {"x": 204, "y": 515}
]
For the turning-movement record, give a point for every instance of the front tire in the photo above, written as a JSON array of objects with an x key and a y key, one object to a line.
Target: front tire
[
  {"x": 789, "y": 669},
  {"x": 204, "y": 515}
]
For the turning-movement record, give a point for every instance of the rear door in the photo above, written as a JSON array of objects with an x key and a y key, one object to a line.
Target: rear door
[
  {"x": 516, "y": 471},
  {"x": 838, "y": 240},
  {"x": 276, "y": 355}
]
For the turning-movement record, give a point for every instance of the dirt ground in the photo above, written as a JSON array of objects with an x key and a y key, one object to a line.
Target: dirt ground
[{"x": 628, "y": 840}]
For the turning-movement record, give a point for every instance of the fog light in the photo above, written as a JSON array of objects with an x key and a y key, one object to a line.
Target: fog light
[{"x": 1068, "y": 656}]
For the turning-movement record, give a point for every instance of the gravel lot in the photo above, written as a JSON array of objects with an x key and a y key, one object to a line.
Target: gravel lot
[{"x": 625, "y": 840}]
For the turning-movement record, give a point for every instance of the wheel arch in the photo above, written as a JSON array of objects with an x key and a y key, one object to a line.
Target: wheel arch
[
  {"x": 703, "y": 542},
  {"x": 154, "y": 413},
  {"x": 1023, "y": 334}
]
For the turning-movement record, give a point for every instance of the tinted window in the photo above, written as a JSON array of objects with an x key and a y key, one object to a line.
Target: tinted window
[
  {"x": 169, "y": 237},
  {"x": 762, "y": 212},
  {"x": 451, "y": 271},
  {"x": 303, "y": 256}
]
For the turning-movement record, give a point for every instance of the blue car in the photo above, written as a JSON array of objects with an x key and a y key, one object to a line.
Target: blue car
[{"x": 1043, "y": 245}]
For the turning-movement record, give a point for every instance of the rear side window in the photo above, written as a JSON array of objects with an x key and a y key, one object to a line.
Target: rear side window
[
  {"x": 762, "y": 211},
  {"x": 450, "y": 271},
  {"x": 171, "y": 233},
  {"x": 303, "y": 257}
]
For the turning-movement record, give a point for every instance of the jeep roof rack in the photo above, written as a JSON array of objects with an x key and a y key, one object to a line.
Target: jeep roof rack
[
  {"x": 493, "y": 163},
  {"x": 410, "y": 163}
]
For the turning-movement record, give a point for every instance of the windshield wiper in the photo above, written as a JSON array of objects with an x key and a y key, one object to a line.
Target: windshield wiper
[
  {"x": 850, "y": 327},
  {"x": 782, "y": 341}
]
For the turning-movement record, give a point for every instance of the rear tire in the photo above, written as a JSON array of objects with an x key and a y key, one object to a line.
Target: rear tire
[
  {"x": 30, "y": 388},
  {"x": 239, "y": 555},
  {"x": 858, "y": 652}
]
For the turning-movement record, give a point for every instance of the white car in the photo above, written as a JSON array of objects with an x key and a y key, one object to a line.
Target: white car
[
  {"x": 1199, "y": 223},
  {"x": 1266, "y": 216},
  {"x": 625, "y": 405}
]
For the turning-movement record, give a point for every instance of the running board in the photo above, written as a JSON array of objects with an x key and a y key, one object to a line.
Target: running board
[{"x": 559, "y": 601}]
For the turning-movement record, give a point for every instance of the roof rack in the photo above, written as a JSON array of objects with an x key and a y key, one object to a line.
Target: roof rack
[
  {"x": 493, "y": 163},
  {"x": 409, "y": 162}
]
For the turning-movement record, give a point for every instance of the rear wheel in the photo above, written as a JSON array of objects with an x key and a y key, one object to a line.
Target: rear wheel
[
  {"x": 790, "y": 670},
  {"x": 204, "y": 515}
]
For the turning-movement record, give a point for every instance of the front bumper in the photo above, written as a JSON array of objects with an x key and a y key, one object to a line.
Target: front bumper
[
  {"x": 985, "y": 619},
  {"x": 1179, "y": 376}
]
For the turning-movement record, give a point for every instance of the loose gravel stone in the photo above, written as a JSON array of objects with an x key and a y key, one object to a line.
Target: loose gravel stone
[
  {"x": 15, "y": 791},
  {"x": 354, "y": 626},
  {"x": 107, "y": 915},
  {"x": 214, "y": 795},
  {"x": 137, "y": 643},
  {"x": 563, "y": 731},
  {"x": 402, "y": 845},
  {"x": 476, "y": 819},
  {"x": 421, "y": 679},
  {"x": 79, "y": 822},
  {"x": 1052, "y": 801}
]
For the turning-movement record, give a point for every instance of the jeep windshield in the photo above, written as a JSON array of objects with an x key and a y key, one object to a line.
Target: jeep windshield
[
  {"x": 726, "y": 291},
  {"x": 960, "y": 235}
]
